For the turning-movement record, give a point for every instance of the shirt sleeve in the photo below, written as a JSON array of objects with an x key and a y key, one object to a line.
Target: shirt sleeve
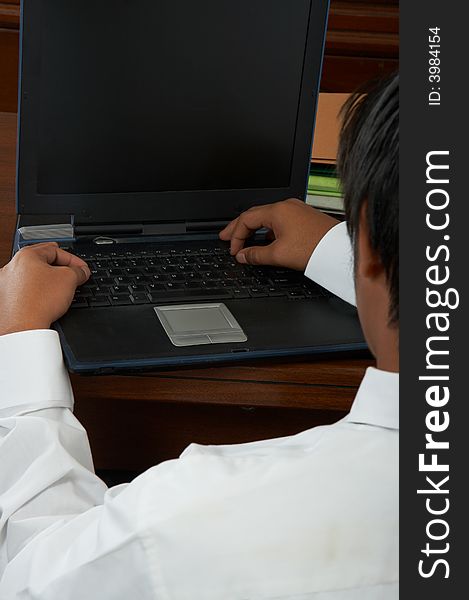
[
  {"x": 331, "y": 264},
  {"x": 56, "y": 515}
]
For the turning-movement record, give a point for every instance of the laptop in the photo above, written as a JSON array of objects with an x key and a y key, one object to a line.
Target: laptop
[{"x": 144, "y": 128}]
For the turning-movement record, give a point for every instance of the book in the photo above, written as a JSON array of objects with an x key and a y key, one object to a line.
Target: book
[
  {"x": 323, "y": 180},
  {"x": 328, "y": 185},
  {"x": 329, "y": 204}
]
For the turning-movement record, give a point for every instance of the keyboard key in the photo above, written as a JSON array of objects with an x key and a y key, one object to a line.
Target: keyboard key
[
  {"x": 155, "y": 287},
  {"x": 275, "y": 292},
  {"x": 137, "y": 288},
  {"x": 177, "y": 277},
  {"x": 83, "y": 293},
  {"x": 193, "y": 277},
  {"x": 101, "y": 264},
  {"x": 296, "y": 293},
  {"x": 120, "y": 299},
  {"x": 258, "y": 292},
  {"x": 159, "y": 278},
  {"x": 123, "y": 279},
  {"x": 204, "y": 262},
  {"x": 79, "y": 303},
  {"x": 103, "y": 280},
  {"x": 194, "y": 284},
  {"x": 315, "y": 291},
  {"x": 308, "y": 293},
  {"x": 241, "y": 293},
  {"x": 99, "y": 301},
  {"x": 100, "y": 289},
  {"x": 119, "y": 289},
  {"x": 143, "y": 279},
  {"x": 246, "y": 282},
  {"x": 140, "y": 298},
  {"x": 175, "y": 285}
]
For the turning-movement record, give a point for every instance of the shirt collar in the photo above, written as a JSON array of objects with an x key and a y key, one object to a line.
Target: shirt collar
[{"x": 377, "y": 400}]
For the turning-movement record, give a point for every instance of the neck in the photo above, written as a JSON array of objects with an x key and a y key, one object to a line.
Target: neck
[{"x": 387, "y": 351}]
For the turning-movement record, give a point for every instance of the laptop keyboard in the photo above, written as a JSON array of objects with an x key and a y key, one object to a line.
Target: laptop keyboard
[{"x": 191, "y": 274}]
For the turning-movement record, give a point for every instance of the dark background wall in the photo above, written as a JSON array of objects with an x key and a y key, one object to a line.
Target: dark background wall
[{"x": 362, "y": 42}]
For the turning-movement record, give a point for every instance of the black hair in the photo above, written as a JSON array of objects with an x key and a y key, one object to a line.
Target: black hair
[{"x": 368, "y": 166}]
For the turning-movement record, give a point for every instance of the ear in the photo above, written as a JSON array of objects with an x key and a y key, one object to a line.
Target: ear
[{"x": 369, "y": 263}]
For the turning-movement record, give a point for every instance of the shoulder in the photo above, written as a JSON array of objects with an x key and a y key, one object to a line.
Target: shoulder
[{"x": 303, "y": 509}]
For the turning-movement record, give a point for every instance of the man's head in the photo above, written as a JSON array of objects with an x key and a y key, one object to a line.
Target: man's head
[{"x": 368, "y": 164}]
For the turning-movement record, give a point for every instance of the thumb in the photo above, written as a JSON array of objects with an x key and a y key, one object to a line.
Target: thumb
[
  {"x": 82, "y": 275},
  {"x": 256, "y": 255}
]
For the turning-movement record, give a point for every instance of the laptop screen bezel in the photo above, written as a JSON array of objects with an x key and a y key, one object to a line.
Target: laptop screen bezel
[{"x": 173, "y": 206}]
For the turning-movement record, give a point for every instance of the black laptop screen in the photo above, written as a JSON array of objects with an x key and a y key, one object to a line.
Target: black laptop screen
[{"x": 169, "y": 95}]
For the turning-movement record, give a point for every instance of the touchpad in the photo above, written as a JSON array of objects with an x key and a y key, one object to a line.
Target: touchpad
[{"x": 194, "y": 324}]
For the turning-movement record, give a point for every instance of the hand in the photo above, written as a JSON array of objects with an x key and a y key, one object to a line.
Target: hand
[
  {"x": 37, "y": 287},
  {"x": 296, "y": 228}
]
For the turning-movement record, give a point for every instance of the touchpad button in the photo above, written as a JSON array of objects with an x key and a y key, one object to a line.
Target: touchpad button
[{"x": 194, "y": 324}]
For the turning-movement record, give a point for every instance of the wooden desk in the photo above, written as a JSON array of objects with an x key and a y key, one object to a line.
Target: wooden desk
[{"x": 134, "y": 422}]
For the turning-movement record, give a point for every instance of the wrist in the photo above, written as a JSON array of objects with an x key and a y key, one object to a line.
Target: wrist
[{"x": 23, "y": 325}]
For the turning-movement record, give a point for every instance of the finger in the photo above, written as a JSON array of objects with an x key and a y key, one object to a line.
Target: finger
[
  {"x": 46, "y": 251},
  {"x": 248, "y": 223},
  {"x": 53, "y": 255},
  {"x": 258, "y": 255},
  {"x": 225, "y": 234},
  {"x": 79, "y": 274},
  {"x": 65, "y": 259},
  {"x": 40, "y": 245}
]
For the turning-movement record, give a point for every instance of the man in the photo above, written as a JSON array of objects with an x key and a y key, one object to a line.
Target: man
[{"x": 311, "y": 516}]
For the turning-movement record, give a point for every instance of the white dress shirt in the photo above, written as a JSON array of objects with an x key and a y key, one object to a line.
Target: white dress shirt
[{"x": 310, "y": 516}]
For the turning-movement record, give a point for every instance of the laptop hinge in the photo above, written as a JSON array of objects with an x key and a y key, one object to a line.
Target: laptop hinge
[
  {"x": 131, "y": 229},
  {"x": 206, "y": 226},
  {"x": 51, "y": 232},
  {"x": 115, "y": 229},
  {"x": 150, "y": 229},
  {"x": 68, "y": 232}
]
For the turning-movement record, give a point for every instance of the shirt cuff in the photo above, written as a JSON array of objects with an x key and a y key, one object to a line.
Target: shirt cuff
[
  {"x": 331, "y": 264},
  {"x": 32, "y": 373}
]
